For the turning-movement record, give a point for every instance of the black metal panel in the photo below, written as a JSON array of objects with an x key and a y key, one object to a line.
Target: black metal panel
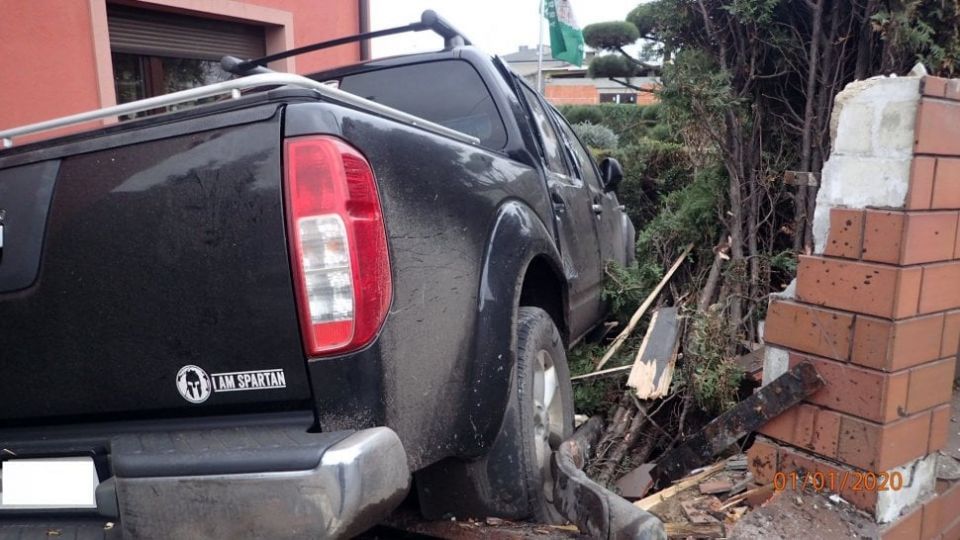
[
  {"x": 430, "y": 376},
  {"x": 24, "y": 201},
  {"x": 157, "y": 255}
]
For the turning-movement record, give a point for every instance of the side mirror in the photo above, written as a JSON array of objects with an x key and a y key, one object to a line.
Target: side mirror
[{"x": 612, "y": 174}]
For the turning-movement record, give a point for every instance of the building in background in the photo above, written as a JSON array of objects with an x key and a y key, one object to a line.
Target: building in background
[
  {"x": 567, "y": 84},
  {"x": 63, "y": 57}
]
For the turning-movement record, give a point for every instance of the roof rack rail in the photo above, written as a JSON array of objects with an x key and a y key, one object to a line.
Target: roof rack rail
[
  {"x": 233, "y": 88},
  {"x": 429, "y": 20}
]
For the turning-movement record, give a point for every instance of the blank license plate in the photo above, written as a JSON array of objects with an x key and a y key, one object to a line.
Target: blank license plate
[{"x": 48, "y": 483}]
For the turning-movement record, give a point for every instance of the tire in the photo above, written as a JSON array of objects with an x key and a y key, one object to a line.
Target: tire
[
  {"x": 513, "y": 480},
  {"x": 546, "y": 417}
]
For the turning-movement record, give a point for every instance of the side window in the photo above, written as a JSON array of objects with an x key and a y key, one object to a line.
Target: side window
[
  {"x": 552, "y": 146},
  {"x": 582, "y": 156}
]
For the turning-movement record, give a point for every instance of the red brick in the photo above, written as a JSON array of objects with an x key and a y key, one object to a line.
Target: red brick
[
  {"x": 931, "y": 519},
  {"x": 881, "y": 447},
  {"x": 952, "y": 531},
  {"x": 946, "y": 185},
  {"x": 883, "y": 236},
  {"x": 762, "y": 460},
  {"x": 806, "y": 426},
  {"x": 865, "y": 393},
  {"x": 951, "y": 335},
  {"x": 909, "y": 238},
  {"x": 929, "y": 237},
  {"x": 941, "y": 287},
  {"x": 809, "y": 329},
  {"x": 939, "y": 429},
  {"x": 826, "y": 432},
  {"x": 907, "y": 297},
  {"x": 872, "y": 339},
  {"x": 872, "y": 289},
  {"x": 930, "y": 385},
  {"x": 920, "y": 192},
  {"x": 933, "y": 86},
  {"x": 906, "y": 527},
  {"x": 791, "y": 461},
  {"x": 949, "y": 496},
  {"x": 782, "y": 426},
  {"x": 953, "y": 89},
  {"x": 938, "y": 131},
  {"x": 956, "y": 246},
  {"x": 894, "y": 345},
  {"x": 846, "y": 233}
]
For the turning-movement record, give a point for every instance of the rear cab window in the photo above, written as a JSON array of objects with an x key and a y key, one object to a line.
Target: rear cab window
[{"x": 446, "y": 92}]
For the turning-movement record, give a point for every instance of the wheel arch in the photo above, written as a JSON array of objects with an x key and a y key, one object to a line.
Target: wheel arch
[{"x": 521, "y": 265}]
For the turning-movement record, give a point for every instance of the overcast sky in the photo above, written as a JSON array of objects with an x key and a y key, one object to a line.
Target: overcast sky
[{"x": 496, "y": 26}]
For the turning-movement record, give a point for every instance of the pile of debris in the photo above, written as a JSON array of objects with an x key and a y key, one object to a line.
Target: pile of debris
[{"x": 644, "y": 454}]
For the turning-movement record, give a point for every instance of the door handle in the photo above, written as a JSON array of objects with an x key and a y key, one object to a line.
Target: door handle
[
  {"x": 597, "y": 208},
  {"x": 557, "y": 199}
]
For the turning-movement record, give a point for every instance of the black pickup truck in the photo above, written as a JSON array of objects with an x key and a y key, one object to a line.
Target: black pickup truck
[{"x": 269, "y": 316}]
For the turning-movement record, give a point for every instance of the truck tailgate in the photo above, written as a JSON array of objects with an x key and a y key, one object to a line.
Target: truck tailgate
[{"x": 149, "y": 277}]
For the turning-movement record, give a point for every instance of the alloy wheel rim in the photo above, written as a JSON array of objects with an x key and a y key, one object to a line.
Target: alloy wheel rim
[{"x": 547, "y": 417}]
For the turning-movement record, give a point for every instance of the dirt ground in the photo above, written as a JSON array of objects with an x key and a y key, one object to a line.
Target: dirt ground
[{"x": 809, "y": 516}]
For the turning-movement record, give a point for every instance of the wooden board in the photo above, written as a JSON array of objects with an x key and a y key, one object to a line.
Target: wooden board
[
  {"x": 656, "y": 359},
  {"x": 749, "y": 415}
]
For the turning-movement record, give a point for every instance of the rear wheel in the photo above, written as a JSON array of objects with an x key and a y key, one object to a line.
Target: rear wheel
[
  {"x": 514, "y": 479},
  {"x": 544, "y": 399}
]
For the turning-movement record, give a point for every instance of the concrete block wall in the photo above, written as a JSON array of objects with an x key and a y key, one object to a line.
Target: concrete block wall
[{"x": 876, "y": 308}]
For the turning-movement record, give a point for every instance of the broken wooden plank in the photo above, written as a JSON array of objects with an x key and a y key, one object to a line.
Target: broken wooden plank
[
  {"x": 750, "y": 414},
  {"x": 685, "y": 530},
  {"x": 653, "y": 368},
  {"x": 801, "y": 178},
  {"x": 637, "y": 315},
  {"x": 621, "y": 369},
  {"x": 752, "y": 364},
  {"x": 695, "y": 510},
  {"x": 761, "y": 493},
  {"x": 713, "y": 487},
  {"x": 662, "y": 495}
]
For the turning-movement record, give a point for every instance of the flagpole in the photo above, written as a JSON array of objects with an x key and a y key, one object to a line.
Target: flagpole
[{"x": 540, "y": 51}]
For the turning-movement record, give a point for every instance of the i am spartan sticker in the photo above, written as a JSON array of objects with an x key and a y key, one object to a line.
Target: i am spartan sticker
[{"x": 195, "y": 385}]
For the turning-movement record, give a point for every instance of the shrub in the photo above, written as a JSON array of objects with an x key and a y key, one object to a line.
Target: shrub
[
  {"x": 582, "y": 114},
  {"x": 610, "y": 35},
  {"x": 596, "y": 137},
  {"x": 629, "y": 122},
  {"x": 611, "y": 65}
]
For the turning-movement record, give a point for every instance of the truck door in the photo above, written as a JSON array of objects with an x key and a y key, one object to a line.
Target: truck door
[
  {"x": 575, "y": 222},
  {"x": 606, "y": 207}
]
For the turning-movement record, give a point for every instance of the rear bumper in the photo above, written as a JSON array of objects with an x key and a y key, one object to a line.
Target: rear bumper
[
  {"x": 256, "y": 476},
  {"x": 358, "y": 481}
]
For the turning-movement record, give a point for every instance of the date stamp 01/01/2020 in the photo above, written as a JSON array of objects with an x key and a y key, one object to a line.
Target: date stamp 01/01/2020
[{"x": 838, "y": 481}]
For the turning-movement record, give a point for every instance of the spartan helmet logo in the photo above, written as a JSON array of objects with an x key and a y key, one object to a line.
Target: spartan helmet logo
[{"x": 193, "y": 384}]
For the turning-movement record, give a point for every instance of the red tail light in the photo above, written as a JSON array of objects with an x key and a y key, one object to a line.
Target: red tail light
[{"x": 338, "y": 244}]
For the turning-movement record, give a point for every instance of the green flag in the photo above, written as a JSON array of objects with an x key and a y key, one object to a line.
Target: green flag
[{"x": 566, "y": 39}]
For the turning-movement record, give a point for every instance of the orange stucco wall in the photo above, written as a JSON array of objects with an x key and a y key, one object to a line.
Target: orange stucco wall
[
  {"x": 55, "y": 57},
  {"x": 315, "y": 21},
  {"x": 46, "y": 60}
]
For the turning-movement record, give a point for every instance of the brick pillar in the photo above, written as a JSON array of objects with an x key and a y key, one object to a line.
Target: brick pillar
[{"x": 876, "y": 309}]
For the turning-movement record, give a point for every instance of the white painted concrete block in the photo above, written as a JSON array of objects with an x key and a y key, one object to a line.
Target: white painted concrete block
[
  {"x": 873, "y": 128},
  {"x": 919, "y": 480},
  {"x": 776, "y": 361}
]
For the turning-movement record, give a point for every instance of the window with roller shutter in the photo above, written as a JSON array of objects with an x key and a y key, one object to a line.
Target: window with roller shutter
[{"x": 155, "y": 53}]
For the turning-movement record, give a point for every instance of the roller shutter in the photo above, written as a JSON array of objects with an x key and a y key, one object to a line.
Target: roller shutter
[{"x": 156, "y": 33}]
